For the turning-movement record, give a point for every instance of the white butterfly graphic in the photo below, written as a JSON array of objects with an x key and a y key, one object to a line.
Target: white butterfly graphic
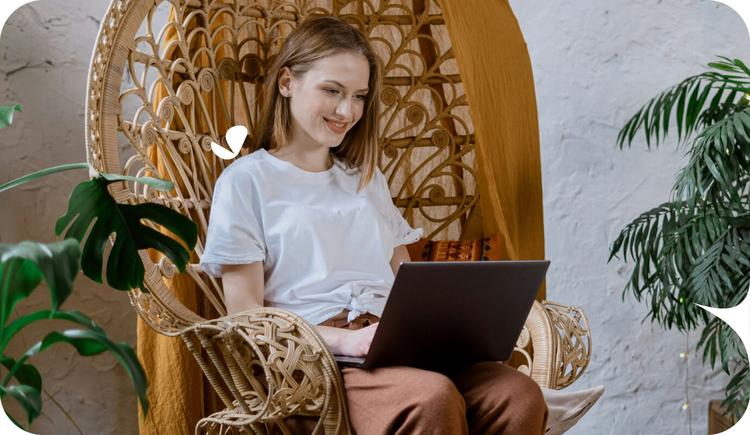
[{"x": 235, "y": 138}]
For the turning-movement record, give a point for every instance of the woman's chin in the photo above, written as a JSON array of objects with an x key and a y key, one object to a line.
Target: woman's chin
[{"x": 332, "y": 141}]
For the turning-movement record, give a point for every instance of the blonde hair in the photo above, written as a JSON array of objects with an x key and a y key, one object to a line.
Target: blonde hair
[{"x": 315, "y": 39}]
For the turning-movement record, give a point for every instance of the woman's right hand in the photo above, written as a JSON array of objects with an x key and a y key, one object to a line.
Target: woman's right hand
[
  {"x": 346, "y": 342},
  {"x": 357, "y": 343}
]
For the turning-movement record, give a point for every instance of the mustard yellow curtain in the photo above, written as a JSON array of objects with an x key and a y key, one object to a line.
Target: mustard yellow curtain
[{"x": 499, "y": 84}]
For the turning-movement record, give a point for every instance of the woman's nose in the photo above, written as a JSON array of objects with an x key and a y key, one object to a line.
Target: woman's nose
[{"x": 344, "y": 109}]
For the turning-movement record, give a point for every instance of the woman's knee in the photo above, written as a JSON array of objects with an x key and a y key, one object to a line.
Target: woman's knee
[
  {"x": 503, "y": 400},
  {"x": 404, "y": 400},
  {"x": 436, "y": 407},
  {"x": 437, "y": 393},
  {"x": 528, "y": 393},
  {"x": 526, "y": 411},
  {"x": 523, "y": 390}
]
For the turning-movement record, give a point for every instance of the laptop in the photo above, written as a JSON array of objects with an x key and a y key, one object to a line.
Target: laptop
[{"x": 443, "y": 316}]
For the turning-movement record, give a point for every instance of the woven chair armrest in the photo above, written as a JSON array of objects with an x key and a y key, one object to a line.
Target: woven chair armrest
[
  {"x": 268, "y": 364},
  {"x": 572, "y": 342}
]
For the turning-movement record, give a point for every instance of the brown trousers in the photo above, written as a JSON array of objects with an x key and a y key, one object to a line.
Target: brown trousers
[{"x": 486, "y": 398}]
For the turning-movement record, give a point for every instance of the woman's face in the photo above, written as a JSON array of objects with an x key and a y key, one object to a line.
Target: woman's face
[{"x": 327, "y": 100}]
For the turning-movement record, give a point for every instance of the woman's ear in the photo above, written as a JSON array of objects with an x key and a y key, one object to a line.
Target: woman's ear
[{"x": 285, "y": 81}]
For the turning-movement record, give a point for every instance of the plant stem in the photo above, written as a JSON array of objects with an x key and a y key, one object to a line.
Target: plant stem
[
  {"x": 67, "y": 415},
  {"x": 687, "y": 387},
  {"x": 42, "y": 173}
]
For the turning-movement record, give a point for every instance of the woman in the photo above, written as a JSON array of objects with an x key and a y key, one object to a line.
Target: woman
[{"x": 306, "y": 223}]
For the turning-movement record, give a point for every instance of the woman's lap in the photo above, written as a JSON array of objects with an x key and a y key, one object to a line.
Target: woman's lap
[
  {"x": 485, "y": 398},
  {"x": 393, "y": 400},
  {"x": 500, "y": 399}
]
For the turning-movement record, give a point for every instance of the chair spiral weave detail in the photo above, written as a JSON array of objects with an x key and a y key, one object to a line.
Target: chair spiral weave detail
[{"x": 267, "y": 364}]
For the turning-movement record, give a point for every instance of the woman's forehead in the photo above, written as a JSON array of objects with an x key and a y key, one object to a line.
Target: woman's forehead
[{"x": 349, "y": 70}]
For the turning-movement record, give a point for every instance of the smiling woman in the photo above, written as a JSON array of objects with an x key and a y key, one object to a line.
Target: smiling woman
[
  {"x": 325, "y": 103},
  {"x": 306, "y": 223},
  {"x": 317, "y": 91}
]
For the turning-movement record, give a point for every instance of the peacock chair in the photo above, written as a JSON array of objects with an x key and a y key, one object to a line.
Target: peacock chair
[{"x": 169, "y": 77}]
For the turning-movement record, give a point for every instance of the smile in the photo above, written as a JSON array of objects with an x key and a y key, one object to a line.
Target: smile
[{"x": 336, "y": 127}]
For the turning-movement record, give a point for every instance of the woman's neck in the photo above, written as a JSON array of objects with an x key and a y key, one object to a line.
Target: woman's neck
[{"x": 312, "y": 159}]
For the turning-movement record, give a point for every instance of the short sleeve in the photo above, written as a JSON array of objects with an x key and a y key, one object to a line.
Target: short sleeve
[
  {"x": 235, "y": 234},
  {"x": 403, "y": 233}
]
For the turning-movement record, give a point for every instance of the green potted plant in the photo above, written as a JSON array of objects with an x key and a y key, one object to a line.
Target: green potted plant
[
  {"x": 93, "y": 216},
  {"x": 695, "y": 247}
]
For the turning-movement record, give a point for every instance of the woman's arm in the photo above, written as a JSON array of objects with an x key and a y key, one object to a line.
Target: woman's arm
[
  {"x": 243, "y": 290},
  {"x": 243, "y": 286},
  {"x": 357, "y": 343},
  {"x": 400, "y": 255}
]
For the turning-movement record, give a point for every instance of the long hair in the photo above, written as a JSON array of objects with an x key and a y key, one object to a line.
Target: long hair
[{"x": 315, "y": 39}]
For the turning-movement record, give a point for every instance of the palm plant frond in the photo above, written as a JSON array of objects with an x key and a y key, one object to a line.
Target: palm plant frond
[
  {"x": 686, "y": 104},
  {"x": 736, "y": 391},
  {"x": 719, "y": 163},
  {"x": 695, "y": 249}
]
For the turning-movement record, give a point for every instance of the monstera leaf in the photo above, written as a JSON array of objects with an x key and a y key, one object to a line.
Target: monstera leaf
[
  {"x": 91, "y": 202},
  {"x": 25, "y": 265}
]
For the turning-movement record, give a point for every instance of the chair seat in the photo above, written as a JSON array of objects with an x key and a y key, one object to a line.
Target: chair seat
[{"x": 269, "y": 365}]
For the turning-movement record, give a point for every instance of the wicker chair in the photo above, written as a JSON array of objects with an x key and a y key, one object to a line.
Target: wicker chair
[{"x": 161, "y": 90}]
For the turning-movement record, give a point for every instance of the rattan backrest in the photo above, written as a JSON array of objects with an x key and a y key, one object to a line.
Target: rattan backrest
[{"x": 163, "y": 88}]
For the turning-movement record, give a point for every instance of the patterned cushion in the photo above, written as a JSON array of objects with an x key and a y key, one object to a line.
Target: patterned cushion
[{"x": 488, "y": 248}]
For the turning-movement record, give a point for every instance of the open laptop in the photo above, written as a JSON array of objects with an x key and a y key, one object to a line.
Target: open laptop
[{"x": 442, "y": 316}]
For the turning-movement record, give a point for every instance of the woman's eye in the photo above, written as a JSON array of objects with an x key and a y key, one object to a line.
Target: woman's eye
[
  {"x": 331, "y": 91},
  {"x": 362, "y": 97}
]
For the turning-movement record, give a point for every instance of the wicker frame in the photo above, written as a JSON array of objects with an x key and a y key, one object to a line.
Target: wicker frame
[{"x": 268, "y": 364}]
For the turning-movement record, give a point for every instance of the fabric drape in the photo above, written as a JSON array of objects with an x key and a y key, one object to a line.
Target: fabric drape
[{"x": 498, "y": 81}]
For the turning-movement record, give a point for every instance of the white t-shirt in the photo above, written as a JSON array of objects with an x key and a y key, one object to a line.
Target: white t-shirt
[{"x": 324, "y": 246}]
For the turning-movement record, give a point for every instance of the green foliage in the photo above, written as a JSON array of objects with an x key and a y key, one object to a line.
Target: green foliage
[
  {"x": 91, "y": 202},
  {"x": 42, "y": 173},
  {"x": 91, "y": 206},
  {"x": 22, "y": 268},
  {"x": 6, "y": 114},
  {"x": 29, "y": 398},
  {"x": 695, "y": 248}
]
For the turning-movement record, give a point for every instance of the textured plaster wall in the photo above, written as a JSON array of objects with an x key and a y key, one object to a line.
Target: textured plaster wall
[
  {"x": 44, "y": 54},
  {"x": 595, "y": 62}
]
